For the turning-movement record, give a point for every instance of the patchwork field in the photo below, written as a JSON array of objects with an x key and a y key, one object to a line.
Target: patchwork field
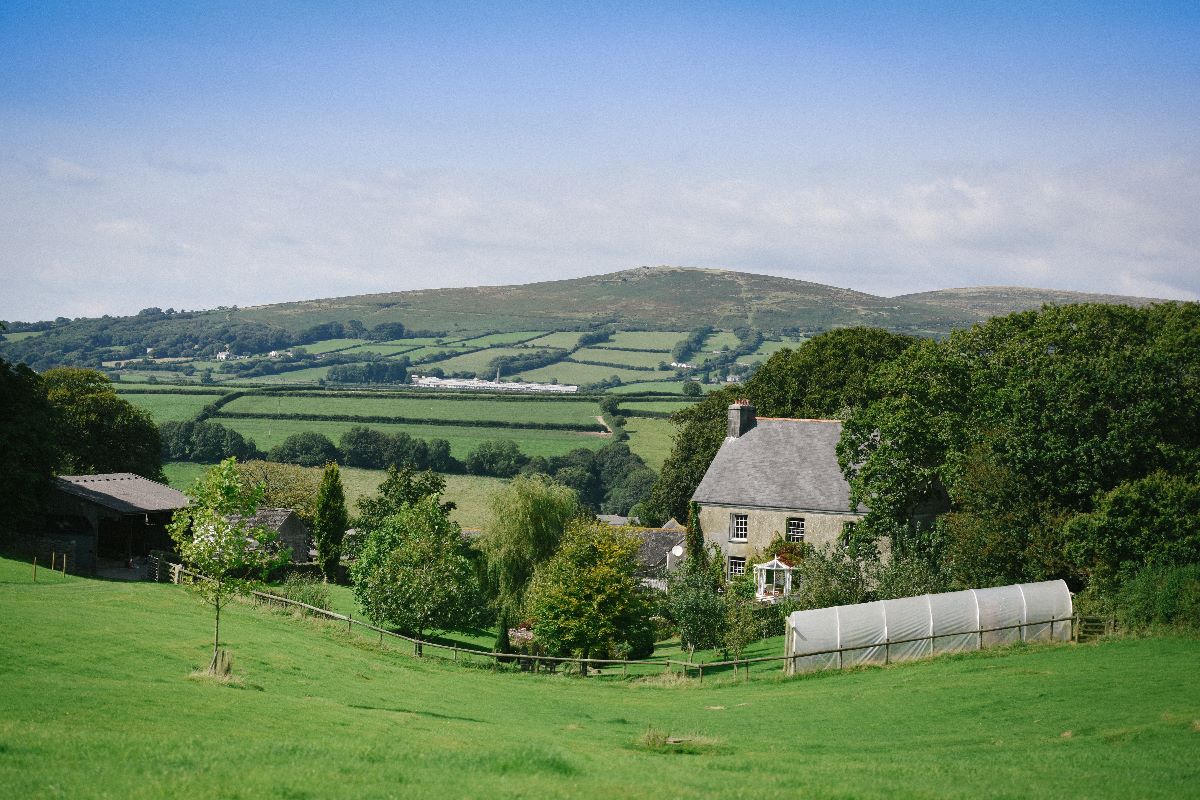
[
  {"x": 307, "y": 375},
  {"x": 564, "y": 339},
  {"x": 170, "y": 407},
  {"x": 382, "y": 348},
  {"x": 651, "y": 439},
  {"x": 493, "y": 339},
  {"x": 425, "y": 406},
  {"x": 269, "y": 432},
  {"x": 479, "y": 360},
  {"x": 631, "y": 358},
  {"x": 664, "y": 406},
  {"x": 648, "y": 340},
  {"x": 669, "y": 386},
  {"x": 329, "y": 345},
  {"x": 319, "y": 713}
]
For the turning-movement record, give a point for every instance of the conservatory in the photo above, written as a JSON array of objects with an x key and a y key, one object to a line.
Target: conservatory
[{"x": 772, "y": 580}]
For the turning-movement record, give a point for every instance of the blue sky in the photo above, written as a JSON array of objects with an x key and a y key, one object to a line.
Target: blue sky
[{"x": 191, "y": 155}]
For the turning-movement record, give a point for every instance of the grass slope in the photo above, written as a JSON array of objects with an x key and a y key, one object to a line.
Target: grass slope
[
  {"x": 427, "y": 406},
  {"x": 170, "y": 407},
  {"x": 97, "y": 703}
]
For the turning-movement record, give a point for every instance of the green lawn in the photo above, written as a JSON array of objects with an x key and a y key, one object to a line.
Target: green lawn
[
  {"x": 631, "y": 358},
  {"x": 425, "y": 406},
  {"x": 97, "y": 703},
  {"x": 269, "y": 432}
]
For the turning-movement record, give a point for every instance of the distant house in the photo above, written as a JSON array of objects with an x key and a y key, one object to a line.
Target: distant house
[
  {"x": 286, "y": 524},
  {"x": 775, "y": 477},
  {"x": 118, "y": 516}
]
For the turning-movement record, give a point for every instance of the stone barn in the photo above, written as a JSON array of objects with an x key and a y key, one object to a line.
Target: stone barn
[{"x": 287, "y": 524}]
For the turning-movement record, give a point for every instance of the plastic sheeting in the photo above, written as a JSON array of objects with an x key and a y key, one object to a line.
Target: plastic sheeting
[{"x": 917, "y": 627}]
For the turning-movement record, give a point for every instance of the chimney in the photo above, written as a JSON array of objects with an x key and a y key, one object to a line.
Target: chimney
[{"x": 741, "y": 418}]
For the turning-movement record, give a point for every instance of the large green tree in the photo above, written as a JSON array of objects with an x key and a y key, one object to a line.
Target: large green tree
[
  {"x": 587, "y": 600},
  {"x": 526, "y": 522},
  {"x": 1024, "y": 422},
  {"x": 413, "y": 572},
  {"x": 28, "y": 453},
  {"x": 330, "y": 520},
  {"x": 97, "y": 431}
]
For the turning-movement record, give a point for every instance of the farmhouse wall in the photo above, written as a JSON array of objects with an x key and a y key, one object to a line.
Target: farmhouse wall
[{"x": 821, "y": 528}]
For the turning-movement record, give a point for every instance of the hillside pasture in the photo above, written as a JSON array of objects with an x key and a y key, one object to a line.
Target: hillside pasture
[
  {"x": 478, "y": 361},
  {"x": 380, "y": 349},
  {"x": 533, "y": 442},
  {"x": 667, "y": 386},
  {"x": 494, "y": 339},
  {"x": 170, "y": 407},
  {"x": 663, "y": 341},
  {"x": 769, "y": 348},
  {"x": 562, "y": 339},
  {"x": 317, "y": 712},
  {"x": 630, "y": 358},
  {"x": 424, "y": 406},
  {"x": 329, "y": 345},
  {"x": 580, "y": 374},
  {"x": 651, "y": 439},
  {"x": 662, "y": 406},
  {"x": 306, "y": 375}
]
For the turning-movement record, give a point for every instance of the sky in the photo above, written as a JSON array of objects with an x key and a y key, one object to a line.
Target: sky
[{"x": 190, "y": 155}]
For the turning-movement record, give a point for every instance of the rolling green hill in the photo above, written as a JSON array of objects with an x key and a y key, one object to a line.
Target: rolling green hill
[{"x": 98, "y": 703}]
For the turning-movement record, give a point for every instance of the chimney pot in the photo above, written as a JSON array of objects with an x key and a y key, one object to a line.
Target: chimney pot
[{"x": 741, "y": 418}]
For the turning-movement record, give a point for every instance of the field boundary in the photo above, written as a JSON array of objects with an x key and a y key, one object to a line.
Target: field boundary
[{"x": 581, "y": 427}]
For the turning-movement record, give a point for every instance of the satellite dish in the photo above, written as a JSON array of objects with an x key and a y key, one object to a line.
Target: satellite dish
[{"x": 677, "y": 551}]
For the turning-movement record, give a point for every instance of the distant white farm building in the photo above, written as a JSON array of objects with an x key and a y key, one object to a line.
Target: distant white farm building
[{"x": 430, "y": 382}]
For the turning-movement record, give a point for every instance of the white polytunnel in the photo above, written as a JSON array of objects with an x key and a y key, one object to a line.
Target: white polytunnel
[{"x": 909, "y": 628}]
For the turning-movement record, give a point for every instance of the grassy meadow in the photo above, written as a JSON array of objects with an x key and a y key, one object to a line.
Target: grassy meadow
[
  {"x": 651, "y": 439},
  {"x": 583, "y": 374},
  {"x": 642, "y": 359},
  {"x": 98, "y": 702},
  {"x": 424, "y": 406},
  {"x": 171, "y": 407}
]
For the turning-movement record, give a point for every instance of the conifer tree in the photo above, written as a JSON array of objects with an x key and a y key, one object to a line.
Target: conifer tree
[{"x": 330, "y": 520}]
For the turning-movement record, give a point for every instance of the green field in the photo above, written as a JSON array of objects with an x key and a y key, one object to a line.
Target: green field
[
  {"x": 564, "y": 339},
  {"x": 493, "y": 339},
  {"x": 631, "y": 358},
  {"x": 432, "y": 350},
  {"x": 171, "y": 407},
  {"x": 20, "y": 336},
  {"x": 718, "y": 340},
  {"x": 269, "y": 432},
  {"x": 651, "y": 439},
  {"x": 666, "y": 406},
  {"x": 582, "y": 374},
  {"x": 380, "y": 348},
  {"x": 98, "y": 703},
  {"x": 648, "y": 340},
  {"x": 470, "y": 493},
  {"x": 328, "y": 345},
  {"x": 479, "y": 360},
  {"x": 673, "y": 387},
  {"x": 768, "y": 349},
  {"x": 425, "y": 406},
  {"x": 307, "y": 375}
]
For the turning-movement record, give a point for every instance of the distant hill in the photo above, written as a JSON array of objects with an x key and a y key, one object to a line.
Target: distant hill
[
  {"x": 645, "y": 298},
  {"x": 995, "y": 301}
]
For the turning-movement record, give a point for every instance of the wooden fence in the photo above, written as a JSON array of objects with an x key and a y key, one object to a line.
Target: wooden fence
[{"x": 163, "y": 570}]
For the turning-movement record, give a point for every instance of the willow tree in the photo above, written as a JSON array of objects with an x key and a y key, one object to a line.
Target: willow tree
[{"x": 527, "y": 521}]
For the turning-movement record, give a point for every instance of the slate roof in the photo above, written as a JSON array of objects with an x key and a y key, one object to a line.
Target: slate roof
[
  {"x": 656, "y": 544},
  {"x": 270, "y": 518},
  {"x": 123, "y": 492},
  {"x": 779, "y": 463}
]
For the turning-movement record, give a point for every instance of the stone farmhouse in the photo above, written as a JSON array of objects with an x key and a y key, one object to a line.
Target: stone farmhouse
[
  {"x": 775, "y": 477},
  {"x": 293, "y": 534}
]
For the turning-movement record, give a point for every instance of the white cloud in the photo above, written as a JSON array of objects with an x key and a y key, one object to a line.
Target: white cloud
[{"x": 152, "y": 236}]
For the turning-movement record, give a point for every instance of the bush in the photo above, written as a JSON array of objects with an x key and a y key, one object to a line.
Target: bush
[
  {"x": 305, "y": 589},
  {"x": 307, "y": 449},
  {"x": 500, "y": 458},
  {"x": 1161, "y": 597}
]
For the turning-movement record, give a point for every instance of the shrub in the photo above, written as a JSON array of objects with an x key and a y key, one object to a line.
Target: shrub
[
  {"x": 305, "y": 589},
  {"x": 1161, "y": 597}
]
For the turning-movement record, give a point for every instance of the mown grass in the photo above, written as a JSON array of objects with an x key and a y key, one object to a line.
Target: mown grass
[
  {"x": 97, "y": 703},
  {"x": 426, "y": 406}
]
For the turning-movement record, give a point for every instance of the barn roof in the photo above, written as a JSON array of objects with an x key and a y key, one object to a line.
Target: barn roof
[
  {"x": 655, "y": 545},
  {"x": 779, "y": 463},
  {"x": 270, "y": 518},
  {"x": 123, "y": 492}
]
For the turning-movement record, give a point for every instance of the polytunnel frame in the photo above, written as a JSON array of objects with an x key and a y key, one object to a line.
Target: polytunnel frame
[{"x": 1054, "y": 593}]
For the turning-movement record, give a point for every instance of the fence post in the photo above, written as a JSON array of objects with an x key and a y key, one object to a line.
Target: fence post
[
  {"x": 349, "y": 622},
  {"x": 64, "y": 565},
  {"x": 35, "y": 569},
  {"x": 701, "y": 673}
]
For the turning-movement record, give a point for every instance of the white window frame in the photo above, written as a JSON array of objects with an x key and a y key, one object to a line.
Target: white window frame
[
  {"x": 729, "y": 566},
  {"x": 798, "y": 534},
  {"x": 733, "y": 527}
]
